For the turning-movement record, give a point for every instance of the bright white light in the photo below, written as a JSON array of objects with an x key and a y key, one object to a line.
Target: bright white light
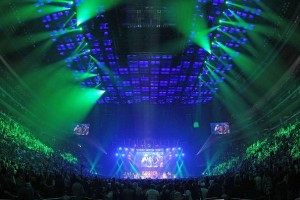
[{"x": 101, "y": 92}]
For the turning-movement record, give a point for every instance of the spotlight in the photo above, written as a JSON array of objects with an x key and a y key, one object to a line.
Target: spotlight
[{"x": 101, "y": 92}]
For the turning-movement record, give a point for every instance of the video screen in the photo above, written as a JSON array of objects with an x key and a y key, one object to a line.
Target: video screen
[
  {"x": 150, "y": 158},
  {"x": 81, "y": 129},
  {"x": 221, "y": 128}
]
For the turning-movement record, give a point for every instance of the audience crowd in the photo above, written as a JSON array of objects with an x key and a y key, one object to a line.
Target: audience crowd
[{"x": 267, "y": 169}]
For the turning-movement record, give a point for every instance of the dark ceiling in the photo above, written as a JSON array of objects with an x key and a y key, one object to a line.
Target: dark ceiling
[{"x": 139, "y": 54}]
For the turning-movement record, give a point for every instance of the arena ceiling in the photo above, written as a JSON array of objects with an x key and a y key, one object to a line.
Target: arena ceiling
[{"x": 153, "y": 51}]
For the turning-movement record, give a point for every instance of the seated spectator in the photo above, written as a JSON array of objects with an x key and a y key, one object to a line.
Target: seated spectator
[
  {"x": 178, "y": 196},
  {"x": 26, "y": 191},
  {"x": 78, "y": 190},
  {"x": 215, "y": 189},
  {"x": 152, "y": 193}
]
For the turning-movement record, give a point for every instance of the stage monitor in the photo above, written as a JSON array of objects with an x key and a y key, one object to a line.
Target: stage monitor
[
  {"x": 157, "y": 163},
  {"x": 81, "y": 129},
  {"x": 150, "y": 158},
  {"x": 221, "y": 128}
]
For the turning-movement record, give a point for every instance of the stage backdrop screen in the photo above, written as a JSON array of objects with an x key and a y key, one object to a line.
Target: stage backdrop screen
[
  {"x": 150, "y": 158},
  {"x": 221, "y": 128},
  {"x": 81, "y": 129}
]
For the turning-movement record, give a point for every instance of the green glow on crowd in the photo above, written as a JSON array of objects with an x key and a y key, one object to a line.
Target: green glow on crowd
[
  {"x": 223, "y": 167},
  {"x": 69, "y": 158},
  {"x": 21, "y": 136},
  {"x": 255, "y": 147},
  {"x": 295, "y": 150},
  {"x": 285, "y": 132},
  {"x": 262, "y": 149}
]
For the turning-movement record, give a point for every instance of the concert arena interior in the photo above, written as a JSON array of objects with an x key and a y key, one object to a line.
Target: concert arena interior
[{"x": 150, "y": 100}]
